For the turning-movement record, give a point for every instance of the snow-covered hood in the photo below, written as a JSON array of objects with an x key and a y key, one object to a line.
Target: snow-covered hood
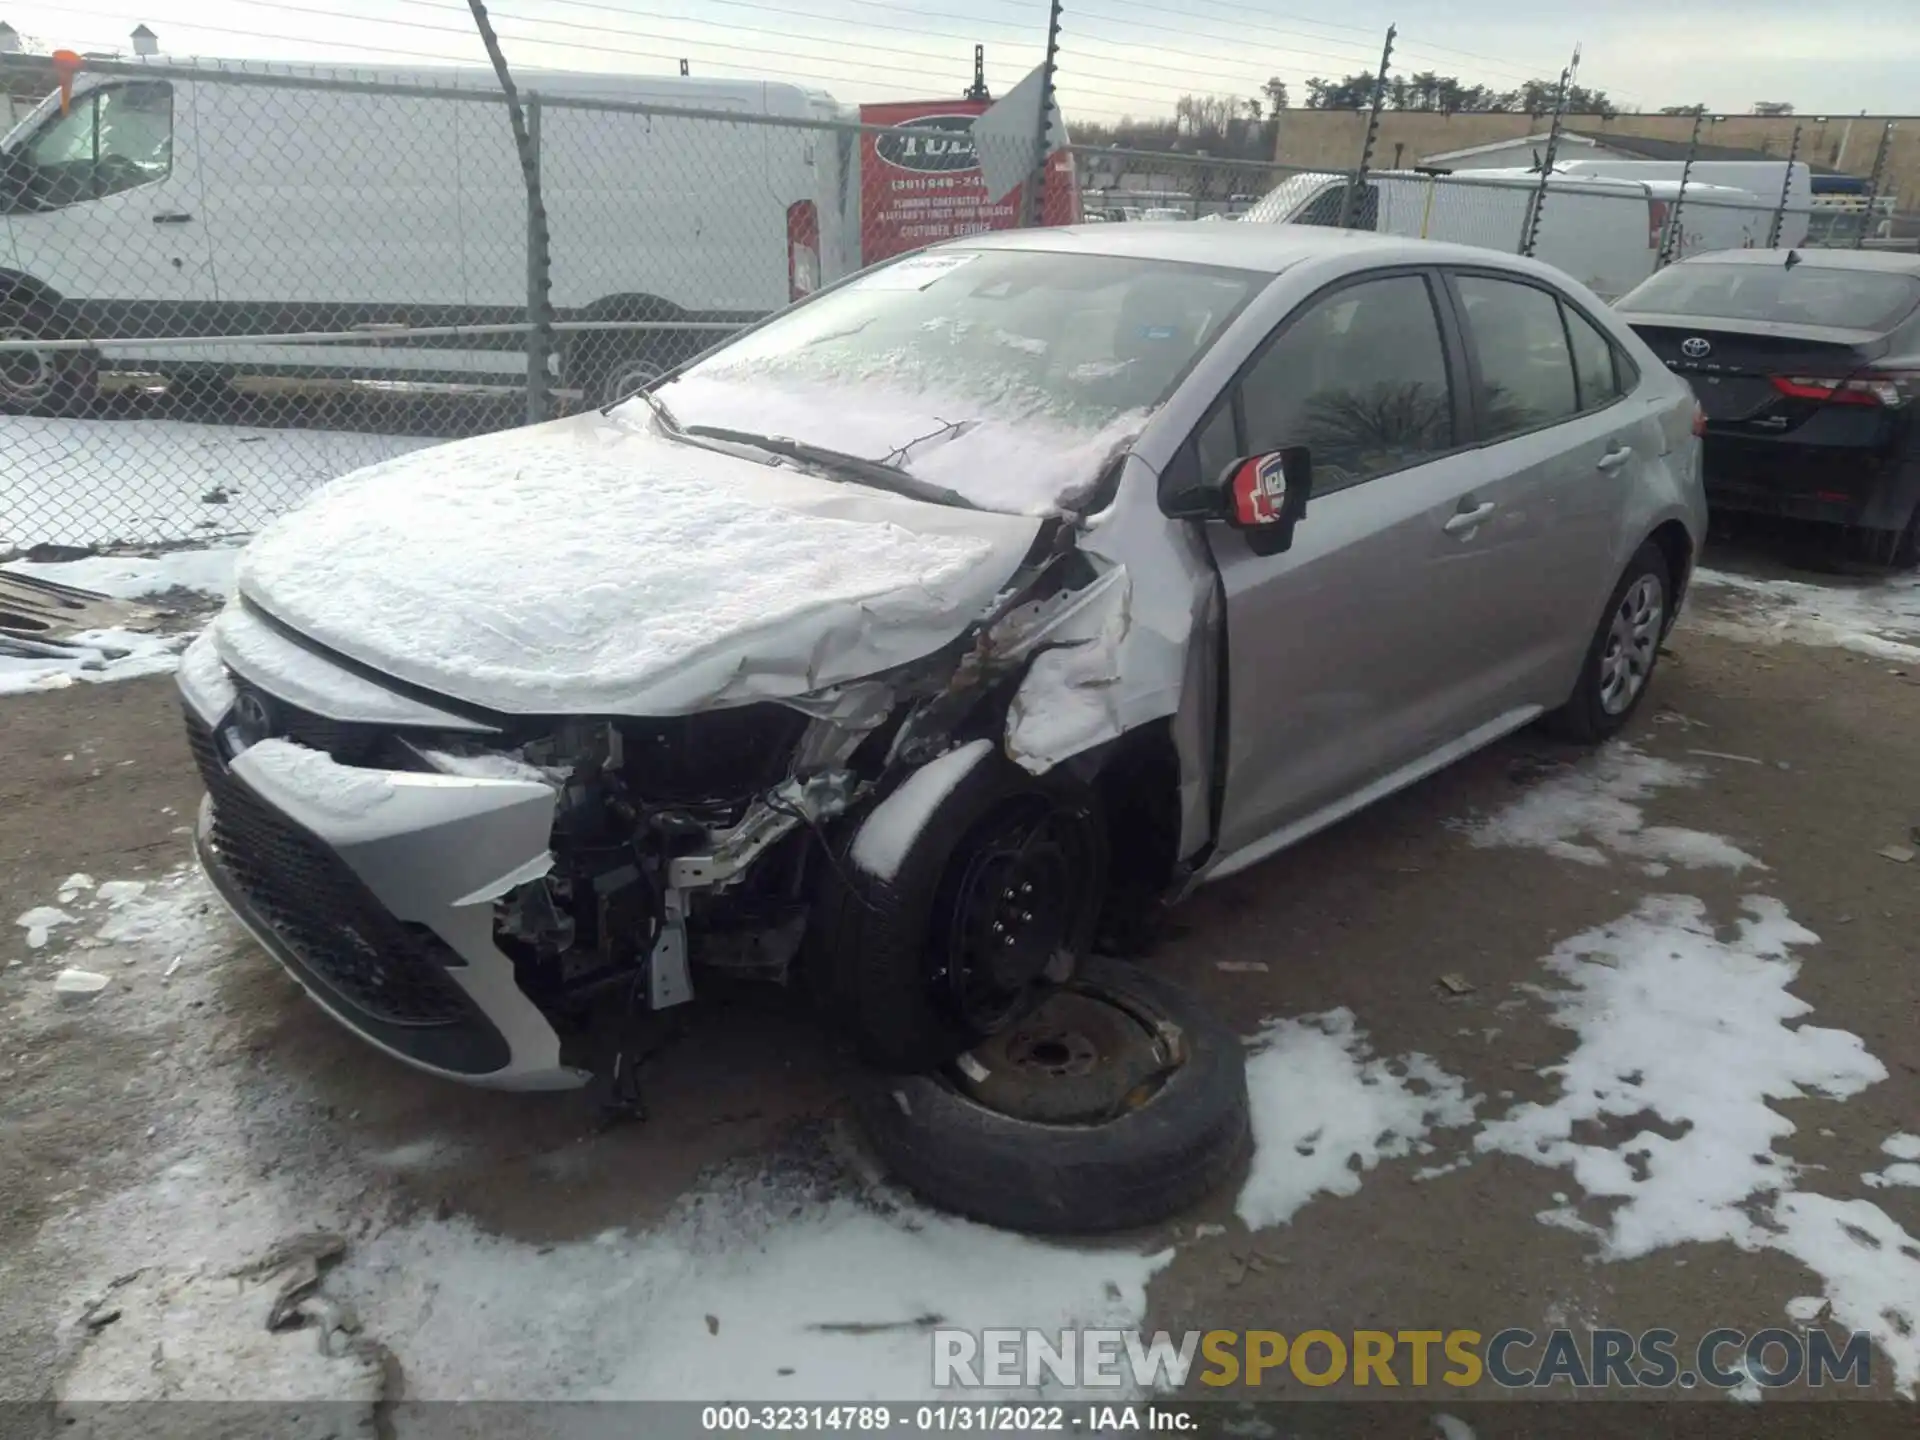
[{"x": 593, "y": 566}]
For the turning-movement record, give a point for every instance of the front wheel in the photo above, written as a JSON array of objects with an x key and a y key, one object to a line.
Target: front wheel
[
  {"x": 988, "y": 902},
  {"x": 41, "y": 382},
  {"x": 1619, "y": 662}
]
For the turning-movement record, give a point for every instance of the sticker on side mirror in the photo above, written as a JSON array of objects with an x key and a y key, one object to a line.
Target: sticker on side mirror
[{"x": 1260, "y": 490}]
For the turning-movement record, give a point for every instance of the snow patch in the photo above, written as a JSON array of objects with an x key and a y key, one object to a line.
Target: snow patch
[
  {"x": 1688, "y": 1036},
  {"x": 1584, "y": 812},
  {"x": 40, "y": 922},
  {"x": 191, "y": 478},
  {"x": 896, "y": 822},
  {"x": 489, "y": 765},
  {"x": 319, "y": 779},
  {"x": 1325, "y": 1110},
  {"x": 208, "y": 570},
  {"x": 97, "y": 655},
  {"x": 1901, "y": 1147},
  {"x": 1881, "y": 619}
]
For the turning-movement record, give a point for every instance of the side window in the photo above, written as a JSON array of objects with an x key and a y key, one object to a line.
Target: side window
[
  {"x": 1360, "y": 377},
  {"x": 1593, "y": 362},
  {"x": 1526, "y": 374},
  {"x": 1325, "y": 208},
  {"x": 1216, "y": 443},
  {"x": 116, "y": 138}
]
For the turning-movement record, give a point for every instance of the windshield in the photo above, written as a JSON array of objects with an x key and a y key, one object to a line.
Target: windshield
[
  {"x": 1008, "y": 376},
  {"x": 1805, "y": 294},
  {"x": 1288, "y": 196}
]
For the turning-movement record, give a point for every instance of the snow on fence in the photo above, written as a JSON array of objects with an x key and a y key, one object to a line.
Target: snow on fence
[{"x": 230, "y": 285}]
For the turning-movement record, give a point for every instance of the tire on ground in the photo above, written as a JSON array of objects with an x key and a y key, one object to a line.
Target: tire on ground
[
  {"x": 874, "y": 943},
  {"x": 1152, "y": 1161},
  {"x": 71, "y": 386},
  {"x": 1584, "y": 717}
]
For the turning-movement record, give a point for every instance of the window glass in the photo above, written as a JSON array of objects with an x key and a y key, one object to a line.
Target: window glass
[
  {"x": 1361, "y": 378},
  {"x": 136, "y": 136},
  {"x": 114, "y": 139},
  {"x": 1804, "y": 294},
  {"x": 1526, "y": 375},
  {"x": 1592, "y": 361}
]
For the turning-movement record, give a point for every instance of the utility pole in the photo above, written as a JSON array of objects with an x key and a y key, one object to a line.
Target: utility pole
[{"x": 1350, "y": 207}]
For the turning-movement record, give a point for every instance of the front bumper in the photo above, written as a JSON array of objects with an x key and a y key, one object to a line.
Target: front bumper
[{"x": 382, "y": 912}]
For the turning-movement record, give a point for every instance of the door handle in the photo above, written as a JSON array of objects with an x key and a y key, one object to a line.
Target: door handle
[
  {"x": 172, "y": 218},
  {"x": 1614, "y": 458},
  {"x": 1467, "y": 519}
]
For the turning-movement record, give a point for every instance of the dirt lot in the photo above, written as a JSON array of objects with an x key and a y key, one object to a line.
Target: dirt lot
[{"x": 200, "y": 1111}]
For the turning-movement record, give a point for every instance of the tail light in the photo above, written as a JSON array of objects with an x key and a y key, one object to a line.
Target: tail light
[
  {"x": 1889, "y": 389},
  {"x": 1699, "y": 421},
  {"x": 803, "y": 249}
]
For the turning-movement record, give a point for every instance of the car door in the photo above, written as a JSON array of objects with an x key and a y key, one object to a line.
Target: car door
[
  {"x": 1352, "y": 655},
  {"x": 1560, "y": 455},
  {"x": 105, "y": 207}
]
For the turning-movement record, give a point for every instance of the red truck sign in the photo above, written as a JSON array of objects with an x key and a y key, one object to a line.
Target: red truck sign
[{"x": 917, "y": 188}]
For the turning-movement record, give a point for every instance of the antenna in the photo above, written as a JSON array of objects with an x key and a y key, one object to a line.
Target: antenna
[{"x": 978, "y": 90}]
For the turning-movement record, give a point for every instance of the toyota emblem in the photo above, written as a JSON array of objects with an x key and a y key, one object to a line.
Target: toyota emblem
[{"x": 1694, "y": 348}]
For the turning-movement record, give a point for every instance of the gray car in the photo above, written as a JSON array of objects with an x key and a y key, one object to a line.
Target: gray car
[{"x": 929, "y": 633}]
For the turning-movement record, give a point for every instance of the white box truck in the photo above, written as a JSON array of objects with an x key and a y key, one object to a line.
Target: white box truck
[
  {"x": 1603, "y": 231},
  {"x": 165, "y": 201}
]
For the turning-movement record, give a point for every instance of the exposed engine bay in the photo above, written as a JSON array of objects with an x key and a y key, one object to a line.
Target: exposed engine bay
[{"x": 695, "y": 842}]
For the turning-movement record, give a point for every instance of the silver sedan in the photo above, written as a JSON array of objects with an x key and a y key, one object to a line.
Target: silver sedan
[{"x": 930, "y": 633}]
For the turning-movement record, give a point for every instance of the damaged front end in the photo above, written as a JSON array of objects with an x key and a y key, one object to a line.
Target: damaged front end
[{"x": 545, "y": 884}]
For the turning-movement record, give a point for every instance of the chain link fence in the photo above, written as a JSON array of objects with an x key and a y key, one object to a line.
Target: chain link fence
[{"x": 226, "y": 287}]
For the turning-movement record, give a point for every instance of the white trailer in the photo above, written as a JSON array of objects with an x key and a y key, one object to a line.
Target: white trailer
[
  {"x": 1606, "y": 233},
  {"x": 172, "y": 201}
]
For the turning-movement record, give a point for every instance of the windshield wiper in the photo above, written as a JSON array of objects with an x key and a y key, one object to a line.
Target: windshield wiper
[
  {"x": 838, "y": 462},
  {"x": 654, "y": 403}
]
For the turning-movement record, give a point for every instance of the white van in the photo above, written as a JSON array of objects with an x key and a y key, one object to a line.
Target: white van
[
  {"x": 1604, "y": 232},
  {"x": 169, "y": 201}
]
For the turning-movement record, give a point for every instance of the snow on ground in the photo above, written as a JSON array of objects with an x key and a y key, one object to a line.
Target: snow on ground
[
  {"x": 1326, "y": 1110},
  {"x": 1688, "y": 1037},
  {"x": 146, "y": 482},
  {"x": 207, "y": 570},
  {"x": 97, "y": 655},
  {"x": 1592, "y": 808},
  {"x": 786, "y": 1278},
  {"x": 1880, "y": 618}
]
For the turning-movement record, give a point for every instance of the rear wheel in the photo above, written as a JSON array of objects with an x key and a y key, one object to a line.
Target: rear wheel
[{"x": 1625, "y": 648}]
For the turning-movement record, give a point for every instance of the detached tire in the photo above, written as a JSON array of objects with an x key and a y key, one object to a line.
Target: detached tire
[
  {"x": 987, "y": 904},
  {"x": 1169, "y": 1146},
  {"x": 1620, "y": 661}
]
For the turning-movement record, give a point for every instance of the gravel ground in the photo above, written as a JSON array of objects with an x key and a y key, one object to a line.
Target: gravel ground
[{"x": 1712, "y": 923}]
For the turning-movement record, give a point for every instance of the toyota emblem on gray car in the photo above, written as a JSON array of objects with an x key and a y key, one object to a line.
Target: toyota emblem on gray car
[{"x": 1694, "y": 348}]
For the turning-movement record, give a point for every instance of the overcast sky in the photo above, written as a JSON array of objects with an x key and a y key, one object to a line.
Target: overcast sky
[{"x": 1117, "y": 56}]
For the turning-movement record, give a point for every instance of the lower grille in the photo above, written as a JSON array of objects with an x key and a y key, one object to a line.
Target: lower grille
[{"x": 319, "y": 909}]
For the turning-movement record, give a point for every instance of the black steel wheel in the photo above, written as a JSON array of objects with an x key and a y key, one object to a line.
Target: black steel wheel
[
  {"x": 991, "y": 906},
  {"x": 1116, "y": 1103}
]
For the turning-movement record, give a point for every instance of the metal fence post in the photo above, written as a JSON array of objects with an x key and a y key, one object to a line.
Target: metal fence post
[
  {"x": 1530, "y": 231},
  {"x": 1786, "y": 189},
  {"x": 1031, "y": 208},
  {"x": 539, "y": 305},
  {"x": 1350, "y": 207},
  {"x": 1671, "y": 238},
  {"x": 1873, "y": 185},
  {"x": 539, "y": 280}
]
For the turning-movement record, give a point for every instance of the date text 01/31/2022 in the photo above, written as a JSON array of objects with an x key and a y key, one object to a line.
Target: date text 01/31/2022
[{"x": 947, "y": 1417}]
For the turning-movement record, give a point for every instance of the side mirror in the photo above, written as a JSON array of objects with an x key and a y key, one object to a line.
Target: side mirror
[{"x": 1262, "y": 496}]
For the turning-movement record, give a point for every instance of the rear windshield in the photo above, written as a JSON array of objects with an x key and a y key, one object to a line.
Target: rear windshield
[{"x": 1806, "y": 294}]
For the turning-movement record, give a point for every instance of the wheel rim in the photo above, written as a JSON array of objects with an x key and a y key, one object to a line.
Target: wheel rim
[
  {"x": 1082, "y": 1057},
  {"x": 1633, "y": 639},
  {"x": 26, "y": 376},
  {"x": 628, "y": 380},
  {"x": 1016, "y": 907}
]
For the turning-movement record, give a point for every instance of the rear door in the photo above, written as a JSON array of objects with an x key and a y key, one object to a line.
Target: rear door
[
  {"x": 1564, "y": 443},
  {"x": 1365, "y": 646}
]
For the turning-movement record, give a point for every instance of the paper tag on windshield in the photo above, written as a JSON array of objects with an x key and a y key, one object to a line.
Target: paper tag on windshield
[{"x": 916, "y": 272}]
